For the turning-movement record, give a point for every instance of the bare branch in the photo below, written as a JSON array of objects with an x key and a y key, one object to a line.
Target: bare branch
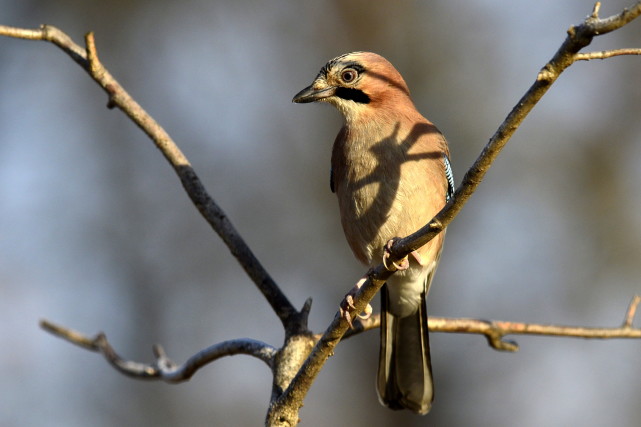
[
  {"x": 595, "y": 10},
  {"x": 579, "y": 36},
  {"x": 209, "y": 209},
  {"x": 594, "y": 26},
  {"x": 51, "y": 34},
  {"x": 632, "y": 309},
  {"x": 163, "y": 368},
  {"x": 166, "y": 370},
  {"x": 604, "y": 54},
  {"x": 496, "y": 330},
  {"x": 70, "y": 335}
]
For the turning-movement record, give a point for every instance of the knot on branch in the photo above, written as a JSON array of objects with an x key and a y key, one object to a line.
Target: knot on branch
[{"x": 546, "y": 75}]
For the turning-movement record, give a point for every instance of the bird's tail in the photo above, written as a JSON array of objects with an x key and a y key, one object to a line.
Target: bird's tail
[{"x": 404, "y": 368}]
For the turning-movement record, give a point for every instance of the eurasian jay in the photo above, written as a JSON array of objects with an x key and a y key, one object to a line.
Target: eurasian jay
[{"x": 391, "y": 173}]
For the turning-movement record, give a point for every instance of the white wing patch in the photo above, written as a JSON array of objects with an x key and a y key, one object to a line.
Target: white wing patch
[{"x": 450, "y": 178}]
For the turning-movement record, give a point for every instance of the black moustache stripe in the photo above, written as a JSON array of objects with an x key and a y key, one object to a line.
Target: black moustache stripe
[{"x": 352, "y": 94}]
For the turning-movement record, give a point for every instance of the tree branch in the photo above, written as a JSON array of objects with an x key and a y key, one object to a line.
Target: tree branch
[
  {"x": 632, "y": 309},
  {"x": 163, "y": 368},
  {"x": 209, "y": 209},
  {"x": 604, "y": 54},
  {"x": 579, "y": 36},
  {"x": 494, "y": 330}
]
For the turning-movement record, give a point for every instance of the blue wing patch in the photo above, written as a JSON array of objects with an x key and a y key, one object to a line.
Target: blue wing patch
[{"x": 450, "y": 178}]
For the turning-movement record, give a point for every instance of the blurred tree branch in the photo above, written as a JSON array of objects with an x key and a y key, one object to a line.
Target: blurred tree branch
[
  {"x": 294, "y": 372},
  {"x": 163, "y": 368}
]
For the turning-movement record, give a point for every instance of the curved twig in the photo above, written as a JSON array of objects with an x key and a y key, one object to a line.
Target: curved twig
[{"x": 163, "y": 368}]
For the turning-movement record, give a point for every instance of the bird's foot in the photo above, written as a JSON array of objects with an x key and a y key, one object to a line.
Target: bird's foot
[
  {"x": 404, "y": 263},
  {"x": 348, "y": 304}
]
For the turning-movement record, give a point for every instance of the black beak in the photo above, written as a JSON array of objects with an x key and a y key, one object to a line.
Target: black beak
[{"x": 309, "y": 94}]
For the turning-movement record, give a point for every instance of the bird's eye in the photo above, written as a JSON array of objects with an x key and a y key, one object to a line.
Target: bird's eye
[{"x": 349, "y": 75}]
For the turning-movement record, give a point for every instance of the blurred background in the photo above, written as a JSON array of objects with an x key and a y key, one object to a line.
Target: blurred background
[{"x": 97, "y": 234}]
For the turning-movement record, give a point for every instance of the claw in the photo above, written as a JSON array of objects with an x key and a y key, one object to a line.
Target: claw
[
  {"x": 348, "y": 304},
  {"x": 402, "y": 264},
  {"x": 349, "y": 300},
  {"x": 367, "y": 313},
  {"x": 348, "y": 318}
]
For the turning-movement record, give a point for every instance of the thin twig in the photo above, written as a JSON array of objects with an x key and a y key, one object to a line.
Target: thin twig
[
  {"x": 632, "y": 309},
  {"x": 595, "y": 10},
  {"x": 70, "y": 335},
  {"x": 163, "y": 368},
  {"x": 604, "y": 54},
  {"x": 209, "y": 209}
]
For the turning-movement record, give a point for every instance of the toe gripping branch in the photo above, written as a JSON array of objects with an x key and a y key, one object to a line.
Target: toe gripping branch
[
  {"x": 403, "y": 263},
  {"x": 348, "y": 303}
]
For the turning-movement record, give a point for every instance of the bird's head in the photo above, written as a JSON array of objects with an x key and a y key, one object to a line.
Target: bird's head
[{"x": 359, "y": 85}]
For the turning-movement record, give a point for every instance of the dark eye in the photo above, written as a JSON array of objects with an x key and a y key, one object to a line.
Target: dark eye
[{"x": 349, "y": 75}]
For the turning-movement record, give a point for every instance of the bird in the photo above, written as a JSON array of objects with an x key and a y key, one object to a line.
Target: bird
[{"x": 391, "y": 172}]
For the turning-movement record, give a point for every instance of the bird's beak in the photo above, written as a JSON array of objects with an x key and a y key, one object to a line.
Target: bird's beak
[{"x": 313, "y": 93}]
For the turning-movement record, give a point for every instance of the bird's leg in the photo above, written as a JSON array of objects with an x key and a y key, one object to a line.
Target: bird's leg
[
  {"x": 348, "y": 303},
  {"x": 404, "y": 263}
]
